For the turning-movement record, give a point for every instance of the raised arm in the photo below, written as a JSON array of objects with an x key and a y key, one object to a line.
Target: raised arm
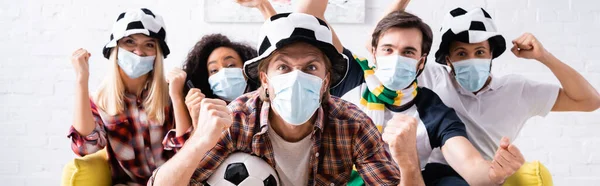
[
  {"x": 176, "y": 79},
  {"x": 576, "y": 94},
  {"x": 264, "y": 6},
  {"x": 83, "y": 120}
]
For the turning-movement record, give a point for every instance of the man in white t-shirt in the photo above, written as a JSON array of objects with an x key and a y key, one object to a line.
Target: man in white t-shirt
[{"x": 492, "y": 106}]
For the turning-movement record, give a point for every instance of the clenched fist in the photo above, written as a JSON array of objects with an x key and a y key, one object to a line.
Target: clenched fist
[
  {"x": 214, "y": 118},
  {"x": 529, "y": 47},
  {"x": 176, "y": 79},
  {"x": 401, "y": 136},
  {"x": 79, "y": 60},
  {"x": 507, "y": 161},
  {"x": 193, "y": 102}
]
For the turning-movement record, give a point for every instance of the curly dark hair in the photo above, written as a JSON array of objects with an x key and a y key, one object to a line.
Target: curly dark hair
[{"x": 195, "y": 64}]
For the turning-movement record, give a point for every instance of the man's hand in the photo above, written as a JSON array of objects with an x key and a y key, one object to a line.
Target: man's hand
[
  {"x": 401, "y": 136},
  {"x": 176, "y": 79},
  {"x": 214, "y": 118},
  {"x": 507, "y": 161},
  {"x": 529, "y": 47}
]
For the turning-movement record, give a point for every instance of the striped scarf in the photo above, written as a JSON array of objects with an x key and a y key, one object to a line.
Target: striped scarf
[{"x": 375, "y": 99}]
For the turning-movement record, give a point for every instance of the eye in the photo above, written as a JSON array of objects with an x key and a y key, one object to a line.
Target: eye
[
  {"x": 213, "y": 71},
  {"x": 408, "y": 53},
  {"x": 386, "y": 49},
  {"x": 282, "y": 67},
  {"x": 231, "y": 65},
  {"x": 461, "y": 54},
  {"x": 480, "y": 52},
  {"x": 150, "y": 45},
  {"x": 311, "y": 68}
]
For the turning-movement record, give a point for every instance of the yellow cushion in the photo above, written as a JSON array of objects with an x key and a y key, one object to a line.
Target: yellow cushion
[
  {"x": 89, "y": 170},
  {"x": 530, "y": 174}
]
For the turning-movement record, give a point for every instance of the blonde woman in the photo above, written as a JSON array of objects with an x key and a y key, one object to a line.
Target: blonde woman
[{"x": 130, "y": 114}]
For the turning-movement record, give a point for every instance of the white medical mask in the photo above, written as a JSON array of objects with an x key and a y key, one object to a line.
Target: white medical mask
[
  {"x": 297, "y": 96},
  {"x": 228, "y": 83},
  {"x": 133, "y": 65},
  {"x": 396, "y": 72},
  {"x": 472, "y": 74}
]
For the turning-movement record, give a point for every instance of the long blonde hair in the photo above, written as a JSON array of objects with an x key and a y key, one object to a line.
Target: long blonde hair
[{"x": 111, "y": 92}]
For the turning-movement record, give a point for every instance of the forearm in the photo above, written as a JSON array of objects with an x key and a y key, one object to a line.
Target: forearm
[
  {"x": 83, "y": 119},
  {"x": 410, "y": 171},
  {"x": 317, "y": 8},
  {"x": 397, "y": 5},
  {"x": 575, "y": 86},
  {"x": 182, "y": 117},
  {"x": 266, "y": 9},
  {"x": 179, "y": 169},
  {"x": 411, "y": 176},
  {"x": 467, "y": 161}
]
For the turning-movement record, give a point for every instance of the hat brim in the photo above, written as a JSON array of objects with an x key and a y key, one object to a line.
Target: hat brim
[
  {"x": 339, "y": 63},
  {"x": 496, "y": 40},
  {"x": 113, "y": 43}
]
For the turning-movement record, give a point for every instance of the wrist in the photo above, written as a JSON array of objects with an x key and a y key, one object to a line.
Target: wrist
[
  {"x": 546, "y": 58},
  {"x": 407, "y": 162}
]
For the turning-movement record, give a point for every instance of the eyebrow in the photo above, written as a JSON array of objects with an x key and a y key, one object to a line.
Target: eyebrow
[
  {"x": 481, "y": 47},
  {"x": 458, "y": 49},
  {"x": 387, "y": 45},
  {"x": 211, "y": 62},
  {"x": 410, "y": 48},
  {"x": 228, "y": 57}
]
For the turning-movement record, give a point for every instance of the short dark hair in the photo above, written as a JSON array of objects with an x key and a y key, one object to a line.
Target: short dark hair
[
  {"x": 402, "y": 19},
  {"x": 195, "y": 64}
]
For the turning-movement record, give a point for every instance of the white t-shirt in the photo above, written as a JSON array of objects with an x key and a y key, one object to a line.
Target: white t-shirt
[
  {"x": 291, "y": 159},
  {"x": 500, "y": 109}
]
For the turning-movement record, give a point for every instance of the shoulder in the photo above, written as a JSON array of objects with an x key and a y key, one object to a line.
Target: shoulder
[
  {"x": 245, "y": 104},
  {"x": 346, "y": 113}
]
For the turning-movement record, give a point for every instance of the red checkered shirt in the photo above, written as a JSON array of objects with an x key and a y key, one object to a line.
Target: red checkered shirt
[
  {"x": 134, "y": 143},
  {"x": 343, "y": 137}
]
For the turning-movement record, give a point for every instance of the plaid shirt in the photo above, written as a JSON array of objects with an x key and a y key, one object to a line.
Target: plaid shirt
[
  {"x": 134, "y": 143},
  {"x": 343, "y": 136}
]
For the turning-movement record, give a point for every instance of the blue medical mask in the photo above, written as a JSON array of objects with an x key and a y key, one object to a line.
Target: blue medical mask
[
  {"x": 297, "y": 96},
  {"x": 133, "y": 65},
  {"x": 228, "y": 83},
  {"x": 472, "y": 74},
  {"x": 396, "y": 72}
]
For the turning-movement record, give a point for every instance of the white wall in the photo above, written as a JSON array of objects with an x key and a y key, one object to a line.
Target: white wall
[{"x": 37, "y": 80}]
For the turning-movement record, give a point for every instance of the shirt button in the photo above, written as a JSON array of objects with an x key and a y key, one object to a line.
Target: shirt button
[{"x": 317, "y": 155}]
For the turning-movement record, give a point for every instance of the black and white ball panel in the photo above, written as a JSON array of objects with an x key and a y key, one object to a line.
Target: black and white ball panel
[{"x": 243, "y": 169}]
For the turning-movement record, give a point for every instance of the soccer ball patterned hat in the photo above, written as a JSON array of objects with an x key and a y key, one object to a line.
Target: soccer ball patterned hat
[{"x": 284, "y": 29}]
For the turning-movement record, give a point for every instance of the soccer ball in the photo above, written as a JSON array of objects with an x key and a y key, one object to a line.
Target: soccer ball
[{"x": 243, "y": 169}]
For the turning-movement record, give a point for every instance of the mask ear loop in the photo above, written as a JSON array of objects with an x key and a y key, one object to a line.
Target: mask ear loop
[{"x": 424, "y": 58}]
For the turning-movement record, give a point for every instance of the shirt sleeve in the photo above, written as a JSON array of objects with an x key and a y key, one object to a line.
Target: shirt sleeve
[
  {"x": 174, "y": 142},
  {"x": 540, "y": 97},
  {"x": 84, "y": 145},
  {"x": 373, "y": 163},
  {"x": 441, "y": 121},
  {"x": 431, "y": 75},
  {"x": 354, "y": 77}
]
